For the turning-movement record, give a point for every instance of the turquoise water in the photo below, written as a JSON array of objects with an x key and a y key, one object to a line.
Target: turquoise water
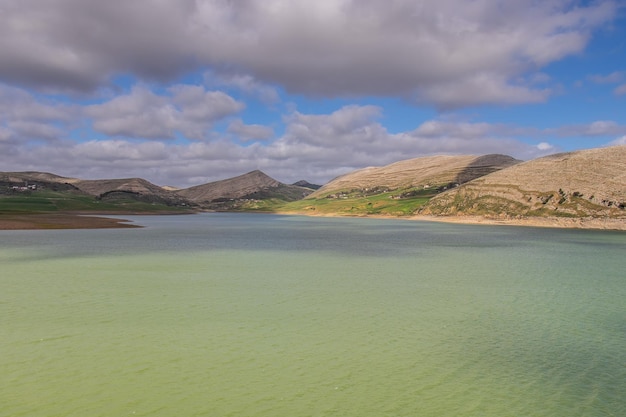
[{"x": 262, "y": 315}]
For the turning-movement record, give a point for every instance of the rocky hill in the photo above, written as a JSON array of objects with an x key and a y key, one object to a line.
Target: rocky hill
[
  {"x": 34, "y": 176},
  {"x": 426, "y": 172},
  {"x": 31, "y": 180},
  {"x": 254, "y": 185},
  {"x": 134, "y": 188},
  {"x": 587, "y": 183}
]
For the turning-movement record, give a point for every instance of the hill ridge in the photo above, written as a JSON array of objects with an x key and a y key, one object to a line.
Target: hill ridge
[
  {"x": 429, "y": 171},
  {"x": 583, "y": 183}
]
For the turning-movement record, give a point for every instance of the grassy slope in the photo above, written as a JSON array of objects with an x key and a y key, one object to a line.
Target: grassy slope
[
  {"x": 356, "y": 203},
  {"x": 53, "y": 201}
]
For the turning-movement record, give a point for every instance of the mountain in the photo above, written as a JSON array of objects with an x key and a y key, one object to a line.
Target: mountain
[
  {"x": 426, "y": 172},
  {"x": 587, "y": 183},
  {"x": 306, "y": 184},
  {"x": 398, "y": 189},
  {"x": 33, "y": 177},
  {"x": 35, "y": 180},
  {"x": 240, "y": 193},
  {"x": 133, "y": 188},
  {"x": 254, "y": 185}
]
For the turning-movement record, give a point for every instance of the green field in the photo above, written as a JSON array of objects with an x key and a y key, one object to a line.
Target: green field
[
  {"x": 348, "y": 203},
  {"x": 54, "y": 201},
  {"x": 357, "y": 203}
]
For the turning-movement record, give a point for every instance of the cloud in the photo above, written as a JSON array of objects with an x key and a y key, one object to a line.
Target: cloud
[
  {"x": 481, "y": 89},
  {"x": 595, "y": 129},
  {"x": 5, "y": 134},
  {"x": 621, "y": 90},
  {"x": 246, "y": 83},
  {"x": 250, "y": 132},
  {"x": 198, "y": 105},
  {"x": 612, "y": 78},
  {"x": 315, "y": 147},
  {"x": 25, "y": 117},
  {"x": 141, "y": 113},
  {"x": 35, "y": 130},
  {"x": 449, "y": 53},
  {"x": 342, "y": 126},
  {"x": 618, "y": 141},
  {"x": 545, "y": 147}
]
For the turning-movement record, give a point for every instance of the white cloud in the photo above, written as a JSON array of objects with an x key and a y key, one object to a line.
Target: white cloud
[
  {"x": 35, "y": 130},
  {"x": 618, "y": 141},
  {"x": 350, "y": 124},
  {"x": 25, "y": 117},
  {"x": 597, "y": 128},
  {"x": 545, "y": 147},
  {"x": 483, "y": 88},
  {"x": 198, "y": 105},
  {"x": 449, "y": 53},
  {"x": 250, "y": 132},
  {"x": 246, "y": 83},
  {"x": 143, "y": 114},
  {"x": 315, "y": 147}
]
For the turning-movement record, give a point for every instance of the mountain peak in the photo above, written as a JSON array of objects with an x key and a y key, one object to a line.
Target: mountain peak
[{"x": 235, "y": 187}]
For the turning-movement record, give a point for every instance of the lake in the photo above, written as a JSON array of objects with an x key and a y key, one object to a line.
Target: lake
[{"x": 265, "y": 315}]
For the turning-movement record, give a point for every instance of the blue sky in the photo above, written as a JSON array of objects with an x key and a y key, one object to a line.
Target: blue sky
[{"x": 190, "y": 91}]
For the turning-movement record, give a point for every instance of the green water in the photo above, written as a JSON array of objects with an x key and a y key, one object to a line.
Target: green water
[{"x": 261, "y": 315}]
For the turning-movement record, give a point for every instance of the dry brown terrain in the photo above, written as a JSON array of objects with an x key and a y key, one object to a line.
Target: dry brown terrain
[
  {"x": 552, "y": 222},
  {"x": 58, "y": 221},
  {"x": 134, "y": 185},
  {"x": 239, "y": 187},
  {"x": 229, "y": 188},
  {"x": 418, "y": 172},
  {"x": 582, "y": 184}
]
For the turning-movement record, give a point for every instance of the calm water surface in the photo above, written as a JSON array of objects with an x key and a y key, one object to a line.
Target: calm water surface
[{"x": 262, "y": 315}]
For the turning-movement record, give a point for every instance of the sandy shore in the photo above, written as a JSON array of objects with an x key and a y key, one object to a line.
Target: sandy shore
[
  {"x": 58, "y": 221},
  {"x": 554, "y": 222}
]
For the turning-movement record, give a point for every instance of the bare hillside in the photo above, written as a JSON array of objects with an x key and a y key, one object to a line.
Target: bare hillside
[
  {"x": 135, "y": 188},
  {"x": 34, "y": 176},
  {"x": 430, "y": 171},
  {"x": 254, "y": 184},
  {"x": 134, "y": 185},
  {"x": 587, "y": 183}
]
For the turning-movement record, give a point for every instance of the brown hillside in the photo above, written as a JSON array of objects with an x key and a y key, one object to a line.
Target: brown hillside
[
  {"x": 430, "y": 171},
  {"x": 230, "y": 188},
  {"x": 135, "y": 188},
  {"x": 588, "y": 183},
  {"x": 34, "y": 176},
  {"x": 133, "y": 185}
]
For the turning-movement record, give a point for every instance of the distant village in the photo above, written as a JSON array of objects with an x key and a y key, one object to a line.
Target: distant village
[{"x": 25, "y": 187}]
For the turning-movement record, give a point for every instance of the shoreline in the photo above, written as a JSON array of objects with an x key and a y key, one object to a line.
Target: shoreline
[
  {"x": 56, "y": 221},
  {"x": 547, "y": 222},
  {"x": 617, "y": 224},
  {"x": 83, "y": 220}
]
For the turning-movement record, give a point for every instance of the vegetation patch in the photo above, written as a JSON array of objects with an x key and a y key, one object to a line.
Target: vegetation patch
[
  {"x": 362, "y": 203},
  {"x": 46, "y": 201}
]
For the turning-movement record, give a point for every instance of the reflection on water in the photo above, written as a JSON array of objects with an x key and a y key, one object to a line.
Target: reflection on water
[{"x": 262, "y": 315}]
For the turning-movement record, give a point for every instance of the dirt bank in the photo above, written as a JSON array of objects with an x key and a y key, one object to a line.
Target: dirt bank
[
  {"x": 59, "y": 221},
  {"x": 557, "y": 222}
]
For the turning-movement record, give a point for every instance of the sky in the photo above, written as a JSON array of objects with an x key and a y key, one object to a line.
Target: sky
[{"x": 184, "y": 92}]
